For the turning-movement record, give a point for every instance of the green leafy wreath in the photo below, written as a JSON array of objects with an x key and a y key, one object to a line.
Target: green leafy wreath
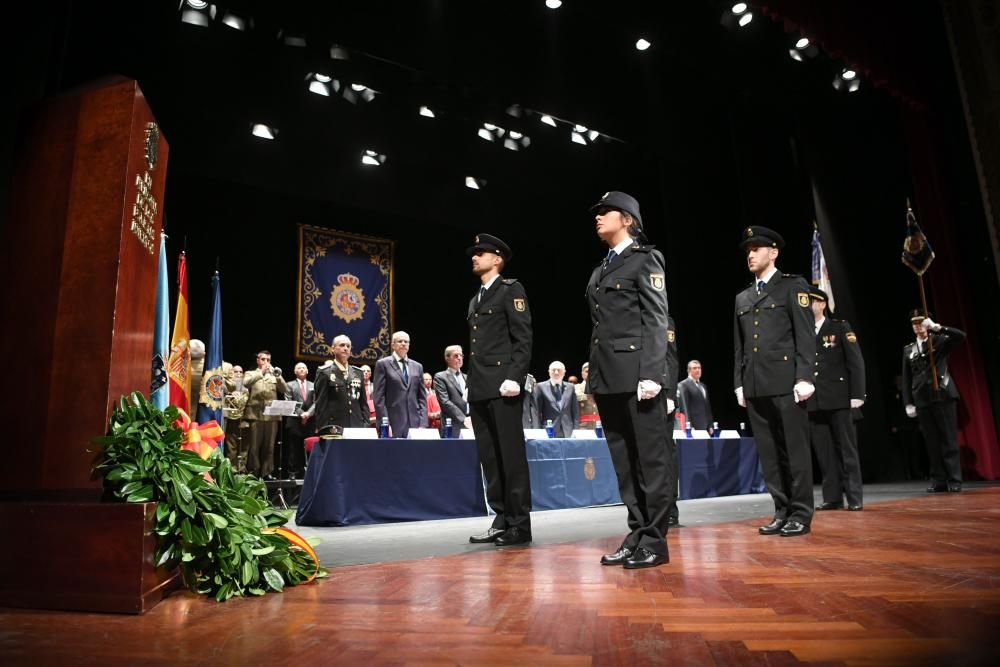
[{"x": 216, "y": 525}]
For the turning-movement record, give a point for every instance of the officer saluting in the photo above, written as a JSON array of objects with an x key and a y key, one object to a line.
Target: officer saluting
[
  {"x": 775, "y": 344},
  {"x": 627, "y": 298},
  {"x": 499, "y": 354}
]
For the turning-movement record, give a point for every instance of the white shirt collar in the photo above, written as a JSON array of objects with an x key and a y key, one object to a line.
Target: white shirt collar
[
  {"x": 555, "y": 383},
  {"x": 819, "y": 323},
  {"x": 490, "y": 283},
  {"x": 767, "y": 276},
  {"x": 620, "y": 248},
  {"x": 397, "y": 357},
  {"x": 695, "y": 380}
]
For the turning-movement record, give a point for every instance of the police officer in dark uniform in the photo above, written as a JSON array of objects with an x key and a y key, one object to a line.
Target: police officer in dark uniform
[
  {"x": 670, "y": 405},
  {"x": 499, "y": 354},
  {"x": 935, "y": 410},
  {"x": 341, "y": 399},
  {"x": 627, "y": 299},
  {"x": 775, "y": 346},
  {"x": 840, "y": 388}
]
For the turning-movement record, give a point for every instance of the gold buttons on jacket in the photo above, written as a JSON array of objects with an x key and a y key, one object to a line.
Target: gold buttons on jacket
[
  {"x": 597, "y": 340},
  {"x": 631, "y": 347},
  {"x": 756, "y": 336},
  {"x": 755, "y": 349},
  {"x": 786, "y": 357}
]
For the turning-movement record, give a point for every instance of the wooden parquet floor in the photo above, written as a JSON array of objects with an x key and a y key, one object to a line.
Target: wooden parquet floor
[{"x": 913, "y": 582}]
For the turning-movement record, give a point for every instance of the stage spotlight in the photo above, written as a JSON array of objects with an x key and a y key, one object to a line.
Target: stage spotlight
[
  {"x": 803, "y": 49},
  {"x": 339, "y": 53},
  {"x": 548, "y": 120},
  {"x": 515, "y": 141},
  {"x": 196, "y": 12},
  {"x": 372, "y": 158},
  {"x": 427, "y": 112},
  {"x": 236, "y": 22},
  {"x": 642, "y": 44},
  {"x": 739, "y": 8},
  {"x": 264, "y": 131},
  {"x": 847, "y": 81},
  {"x": 321, "y": 84},
  {"x": 577, "y": 138},
  {"x": 292, "y": 39},
  {"x": 515, "y": 110},
  {"x": 475, "y": 183},
  {"x": 737, "y": 16},
  {"x": 802, "y": 43},
  {"x": 553, "y": 4},
  {"x": 745, "y": 19},
  {"x": 359, "y": 90},
  {"x": 491, "y": 132}
]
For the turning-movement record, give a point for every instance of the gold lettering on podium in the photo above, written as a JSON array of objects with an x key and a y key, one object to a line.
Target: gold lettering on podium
[{"x": 144, "y": 212}]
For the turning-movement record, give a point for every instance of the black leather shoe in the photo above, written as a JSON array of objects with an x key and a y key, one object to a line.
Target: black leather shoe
[
  {"x": 772, "y": 528},
  {"x": 512, "y": 537},
  {"x": 618, "y": 557},
  {"x": 673, "y": 522},
  {"x": 829, "y": 506},
  {"x": 490, "y": 535},
  {"x": 794, "y": 529},
  {"x": 937, "y": 488},
  {"x": 644, "y": 558},
  {"x": 855, "y": 508},
  {"x": 954, "y": 487}
]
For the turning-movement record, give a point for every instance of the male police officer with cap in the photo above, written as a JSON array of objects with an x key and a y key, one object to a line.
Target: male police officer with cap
[
  {"x": 775, "y": 345},
  {"x": 840, "y": 388},
  {"x": 627, "y": 298},
  {"x": 499, "y": 354}
]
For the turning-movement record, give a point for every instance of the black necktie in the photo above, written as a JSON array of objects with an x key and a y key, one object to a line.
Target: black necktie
[
  {"x": 406, "y": 375},
  {"x": 559, "y": 389},
  {"x": 761, "y": 286},
  {"x": 482, "y": 293},
  {"x": 610, "y": 258}
]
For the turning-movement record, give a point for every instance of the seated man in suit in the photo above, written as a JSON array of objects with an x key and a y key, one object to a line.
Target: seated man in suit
[
  {"x": 692, "y": 398},
  {"x": 556, "y": 400},
  {"x": 399, "y": 389},
  {"x": 452, "y": 392}
]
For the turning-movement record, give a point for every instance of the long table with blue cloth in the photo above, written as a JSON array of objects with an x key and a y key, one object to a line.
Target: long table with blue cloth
[{"x": 350, "y": 482}]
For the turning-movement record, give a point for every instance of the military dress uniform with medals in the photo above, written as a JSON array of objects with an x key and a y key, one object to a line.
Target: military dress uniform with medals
[
  {"x": 775, "y": 348},
  {"x": 341, "y": 399},
  {"x": 839, "y": 376},
  {"x": 500, "y": 338}
]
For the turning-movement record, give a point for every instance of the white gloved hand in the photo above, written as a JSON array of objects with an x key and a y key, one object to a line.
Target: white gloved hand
[
  {"x": 803, "y": 390},
  {"x": 468, "y": 422},
  {"x": 911, "y": 411},
  {"x": 930, "y": 325},
  {"x": 510, "y": 388},
  {"x": 739, "y": 397},
  {"x": 856, "y": 403},
  {"x": 647, "y": 389},
  {"x": 670, "y": 406}
]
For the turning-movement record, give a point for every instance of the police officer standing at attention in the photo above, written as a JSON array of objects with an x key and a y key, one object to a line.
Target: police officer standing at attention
[
  {"x": 627, "y": 298},
  {"x": 670, "y": 406},
  {"x": 499, "y": 354},
  {"x": 840, "y": 388},
  {"x": 775, "y": 344}
]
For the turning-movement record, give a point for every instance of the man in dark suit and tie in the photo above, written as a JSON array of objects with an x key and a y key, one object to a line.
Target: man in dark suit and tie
[
  {"x": 299, "y": 426},
  {"x": 775, "y": 351},
  {"x": 499, "y": 353},
  {"x": 556, "y": 400},
  {"x": 451, "y": 387},
  {"x": 400, "y": 394},
  {"x": 693, "y": 400}
]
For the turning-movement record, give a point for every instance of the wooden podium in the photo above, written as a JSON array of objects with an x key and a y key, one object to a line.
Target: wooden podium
[{"x": 79, "y": 272}]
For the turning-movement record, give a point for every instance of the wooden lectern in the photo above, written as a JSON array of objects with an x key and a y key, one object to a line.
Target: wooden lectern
[{"x": 79, "y": 273}]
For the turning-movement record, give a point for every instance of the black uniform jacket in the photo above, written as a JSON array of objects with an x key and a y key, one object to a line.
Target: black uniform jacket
[
  {"x": 628, "y": 308},
  {"x": 917, "y": 387},
  {"x": 839, "y": 373},
  {"x": 340, "y": 401},
  {"x": 499, "y": 339},
  {"x": 775, "y": 337}
]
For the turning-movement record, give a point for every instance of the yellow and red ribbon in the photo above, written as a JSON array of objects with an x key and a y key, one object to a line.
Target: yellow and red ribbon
[
  {"x": 202, "y": 439},
  {"x": 297, "y": 542}
]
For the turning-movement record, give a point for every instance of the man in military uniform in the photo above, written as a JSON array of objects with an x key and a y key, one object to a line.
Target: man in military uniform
[
  {"x": 237, "y": 428},
  {"x": 627, "y": 299},
  {"x": 263, "y": 384},
  {"x": 775, "y": 345},
  {"x": 670, "y": 389},
  {"x": 840, "y": 388},
  {"x": 341, "y": 400},
  {"x": 935, "y": 409},
  {"x": 499, "y": 354}
]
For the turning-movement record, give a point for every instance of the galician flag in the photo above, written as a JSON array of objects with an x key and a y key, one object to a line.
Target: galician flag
[
  {"x": 179, "y": 364},
  {"x": 159, "y": 394},
  {"x": 213, "y": 387},
  {"x": 820, "y": 274}
]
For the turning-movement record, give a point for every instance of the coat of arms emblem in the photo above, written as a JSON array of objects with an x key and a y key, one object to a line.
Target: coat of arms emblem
[{"x": 347, "y": 301}]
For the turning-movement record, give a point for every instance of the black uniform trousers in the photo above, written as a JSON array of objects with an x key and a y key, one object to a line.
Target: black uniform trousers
[
  {"x": 835, "y": 440},
  {"x": 636, "y": 432},
  {"x": 671, "y": 445},
  {"x": 500, "y": 439},
  {"x": 939, "y": 423},
  {"x": 294, "y": 446},
  {"x": 781, "y": 430}
]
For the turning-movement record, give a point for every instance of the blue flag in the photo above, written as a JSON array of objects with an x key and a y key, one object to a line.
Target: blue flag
[
  {"x": 213, "y": 388},
  {"x": 159, "y": 393}
]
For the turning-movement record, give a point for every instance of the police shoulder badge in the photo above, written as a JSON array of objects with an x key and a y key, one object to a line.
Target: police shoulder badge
[
  {"x": 656, "y": 280},
  {"x": 803, "y": 299},
  {"x": 671, "y": 336},
  {"x": 347, "y": 301},
  {"x": 851, "y": 337},
  {"x": 519, "y": 305}
]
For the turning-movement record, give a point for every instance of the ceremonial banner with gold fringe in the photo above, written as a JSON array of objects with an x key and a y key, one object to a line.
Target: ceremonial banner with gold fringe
[{"x": 345, "y": 287}]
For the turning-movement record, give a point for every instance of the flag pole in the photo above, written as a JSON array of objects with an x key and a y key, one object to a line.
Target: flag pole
[{"x": 923, "y": 304}]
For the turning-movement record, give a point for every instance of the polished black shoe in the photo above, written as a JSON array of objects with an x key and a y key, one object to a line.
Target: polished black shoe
[
  {"x": 644, "y": 558},
  {"x": 618, "y": 557},
  {"x": 954, "y": 487},
  {"x": 937, "y": 488},
  {"x": 829, "y": 506},
  {"x": 855, "y": 508},
  {"x": 772, "y": 528},
  {"x": 673, "y": 522},
  {"x": 513, "y": 536},
  {"x": 794, "y": 529},
  {"x": 490, "y": 535}
]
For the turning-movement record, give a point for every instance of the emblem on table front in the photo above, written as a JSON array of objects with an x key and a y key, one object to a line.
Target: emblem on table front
[{"x": 589, "y": 469}]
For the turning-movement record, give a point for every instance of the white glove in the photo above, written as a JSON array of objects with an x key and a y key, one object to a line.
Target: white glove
[
  {"x": 930, "y": 325},
  {"x": 468, "y": 422},
  {"x": 856, "y": 403},
  {"x": 911, "y": 411},
  {"x": 739, "y": 397},
  {"x": 647, "y": 389},
  {"x": 670, "y": 406},
  {"x": 803, "y": 390},
  {"x": 510, "y": 388}
]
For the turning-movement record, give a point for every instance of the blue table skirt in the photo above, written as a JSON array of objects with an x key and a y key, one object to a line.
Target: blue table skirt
[
  {"x": 571, "y": 473},
  {"x": 712, "y": 467}
]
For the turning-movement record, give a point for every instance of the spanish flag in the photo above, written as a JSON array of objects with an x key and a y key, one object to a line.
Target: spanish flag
[{"x": 179, "y": 364}]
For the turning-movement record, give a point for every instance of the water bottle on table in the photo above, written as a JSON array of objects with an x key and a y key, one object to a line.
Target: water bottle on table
[
  {"x": 448, "y": 431},
  {"x": 383, "y": 429},
  {"x": 549, "y": 429},
  {"x": 716, "y": 433},
  {"x": 599, "y": 429}
]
